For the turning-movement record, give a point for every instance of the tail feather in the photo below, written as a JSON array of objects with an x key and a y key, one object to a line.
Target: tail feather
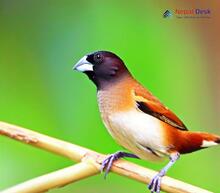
[
  {"x": 209, "y": 140},
  {"x": 194, "y": 141},
  {"x": 218, "y": 140}
]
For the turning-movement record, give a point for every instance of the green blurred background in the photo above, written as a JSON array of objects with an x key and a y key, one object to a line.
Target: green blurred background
[{"x": 40, "y": 40}]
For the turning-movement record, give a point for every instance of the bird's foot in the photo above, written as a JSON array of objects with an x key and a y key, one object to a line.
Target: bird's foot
[
  {"x": 107, "y": 163},
  {"x": 155, "y": 183}
]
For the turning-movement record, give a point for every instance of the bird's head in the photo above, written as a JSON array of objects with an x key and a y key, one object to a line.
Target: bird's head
[{"x": 102, "y": 67}]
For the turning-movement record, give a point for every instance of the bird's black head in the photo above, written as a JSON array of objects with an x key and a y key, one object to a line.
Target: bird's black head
[{"x": 102, "y": 67}]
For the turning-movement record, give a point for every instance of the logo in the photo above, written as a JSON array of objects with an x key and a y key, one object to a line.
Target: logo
[
  {"x": 188, "y": 13},
  {"x": 193, "y": 13},
  {"x": 167, "y": 14}
]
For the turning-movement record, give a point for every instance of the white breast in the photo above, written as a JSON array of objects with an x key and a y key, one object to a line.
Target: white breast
[{"x": 137, "y": 132}]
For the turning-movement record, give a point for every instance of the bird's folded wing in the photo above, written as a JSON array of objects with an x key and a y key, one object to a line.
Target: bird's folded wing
[{"x": 149, "y": 104}]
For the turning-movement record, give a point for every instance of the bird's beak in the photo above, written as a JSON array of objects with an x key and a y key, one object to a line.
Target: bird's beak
[{"x": 83, "y": 65}]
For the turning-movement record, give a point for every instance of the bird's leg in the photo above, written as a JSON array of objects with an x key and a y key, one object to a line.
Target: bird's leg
[
  {"x": 154, "y": 185},
  {"x": 107, "y": 163}
]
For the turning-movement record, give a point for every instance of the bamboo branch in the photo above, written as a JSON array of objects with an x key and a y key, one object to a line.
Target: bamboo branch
[
  {"x": 89, "y": 166},
  {"x": 55, "y": 179}
]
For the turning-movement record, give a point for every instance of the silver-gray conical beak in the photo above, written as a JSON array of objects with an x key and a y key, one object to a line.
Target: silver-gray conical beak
[{"x": 83, "y": 65}]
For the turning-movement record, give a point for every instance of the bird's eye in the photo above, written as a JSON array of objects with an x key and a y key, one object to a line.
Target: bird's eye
[{"x": 98, "y": 58}]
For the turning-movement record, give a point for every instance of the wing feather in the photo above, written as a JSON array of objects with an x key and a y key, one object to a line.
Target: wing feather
[{"x": 149, "y": 104}]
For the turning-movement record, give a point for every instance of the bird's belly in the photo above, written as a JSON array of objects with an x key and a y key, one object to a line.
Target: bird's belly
[{"x": 140, "y": 133}]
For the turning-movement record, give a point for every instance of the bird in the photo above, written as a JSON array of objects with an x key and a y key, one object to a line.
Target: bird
[{"x": 136, "y": 119}]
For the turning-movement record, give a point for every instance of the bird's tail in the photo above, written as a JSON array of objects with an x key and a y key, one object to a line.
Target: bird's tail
[
  {"x": 209, "y": 140},
  {"x": 198, "y": 140}
]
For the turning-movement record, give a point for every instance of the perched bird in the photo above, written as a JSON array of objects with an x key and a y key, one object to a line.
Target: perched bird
[{"x": 136, "y": 119}]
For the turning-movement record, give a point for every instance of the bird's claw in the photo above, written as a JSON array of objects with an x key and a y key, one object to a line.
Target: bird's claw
[
  {"x": 155, "y": 183},
  {"x": 107, "y": 163}
]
